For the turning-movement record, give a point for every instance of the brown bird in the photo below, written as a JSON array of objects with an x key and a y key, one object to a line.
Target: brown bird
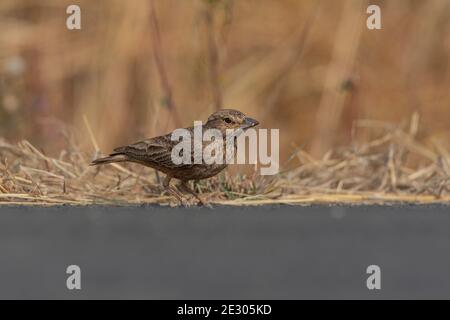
[{"x": 157, "y": 152}]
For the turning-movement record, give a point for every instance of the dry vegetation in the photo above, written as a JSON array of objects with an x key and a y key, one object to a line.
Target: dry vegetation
[
  {"x": 310, "y": 68},
  {"x": 392, "y": 168}
]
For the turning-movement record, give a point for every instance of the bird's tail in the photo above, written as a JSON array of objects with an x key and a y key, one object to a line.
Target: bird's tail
[{"x": 112, "y": 158}]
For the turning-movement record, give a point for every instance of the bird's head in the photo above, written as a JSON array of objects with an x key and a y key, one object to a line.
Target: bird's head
[{"x": 230, "y": 119}]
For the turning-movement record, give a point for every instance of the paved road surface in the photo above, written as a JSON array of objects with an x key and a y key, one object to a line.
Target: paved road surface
[{"x": 278, "y": 252}]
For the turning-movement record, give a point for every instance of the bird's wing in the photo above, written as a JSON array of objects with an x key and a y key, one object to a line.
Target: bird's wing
[
  {"x": 158, "y": 151},
  {"x": 155, "y": 150}
]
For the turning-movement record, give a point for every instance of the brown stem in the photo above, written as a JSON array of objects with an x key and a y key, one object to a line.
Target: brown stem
[
  {"x": 157, "y": 53},
  {"x": 213, "y": 55}
]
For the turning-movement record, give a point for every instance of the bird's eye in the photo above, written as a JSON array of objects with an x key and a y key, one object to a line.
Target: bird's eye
[{"x": 227, "y": 120}]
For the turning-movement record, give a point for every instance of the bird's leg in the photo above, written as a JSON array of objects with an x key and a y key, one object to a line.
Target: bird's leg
[
  {"x": 166, "y": 182},
  {"x": 158, "y": 178},
  {"x": 172, "y": 190},
  {"x": 186, "y": 187}
]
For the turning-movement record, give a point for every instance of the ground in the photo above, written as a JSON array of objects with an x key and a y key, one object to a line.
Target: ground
[{"x": 262, "y": 252}]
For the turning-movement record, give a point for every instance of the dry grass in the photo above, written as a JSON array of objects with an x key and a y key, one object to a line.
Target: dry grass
[
  {"x": 394, "y": 167},
  {"x": 310, "y": 68},
  {"x": 141, "y": 68}
]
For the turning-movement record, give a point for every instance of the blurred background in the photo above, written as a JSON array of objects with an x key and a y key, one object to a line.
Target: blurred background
[{"x": 141, "y": 68}]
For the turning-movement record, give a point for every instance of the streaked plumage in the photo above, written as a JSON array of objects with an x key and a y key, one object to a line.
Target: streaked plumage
[{"x": 156, "y": 152}]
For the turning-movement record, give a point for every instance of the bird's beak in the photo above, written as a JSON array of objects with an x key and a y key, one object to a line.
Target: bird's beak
[{"x": 249, "y": 122}]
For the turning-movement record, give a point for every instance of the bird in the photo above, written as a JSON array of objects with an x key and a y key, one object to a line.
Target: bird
[{"x": 156, "y": 152}]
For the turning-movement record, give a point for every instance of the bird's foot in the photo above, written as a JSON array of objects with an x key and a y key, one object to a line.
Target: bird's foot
[
  {"x": 204, "y": 204},
  {"x": 201, "y": 202},
  {"x": 177, "y": 195}
]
